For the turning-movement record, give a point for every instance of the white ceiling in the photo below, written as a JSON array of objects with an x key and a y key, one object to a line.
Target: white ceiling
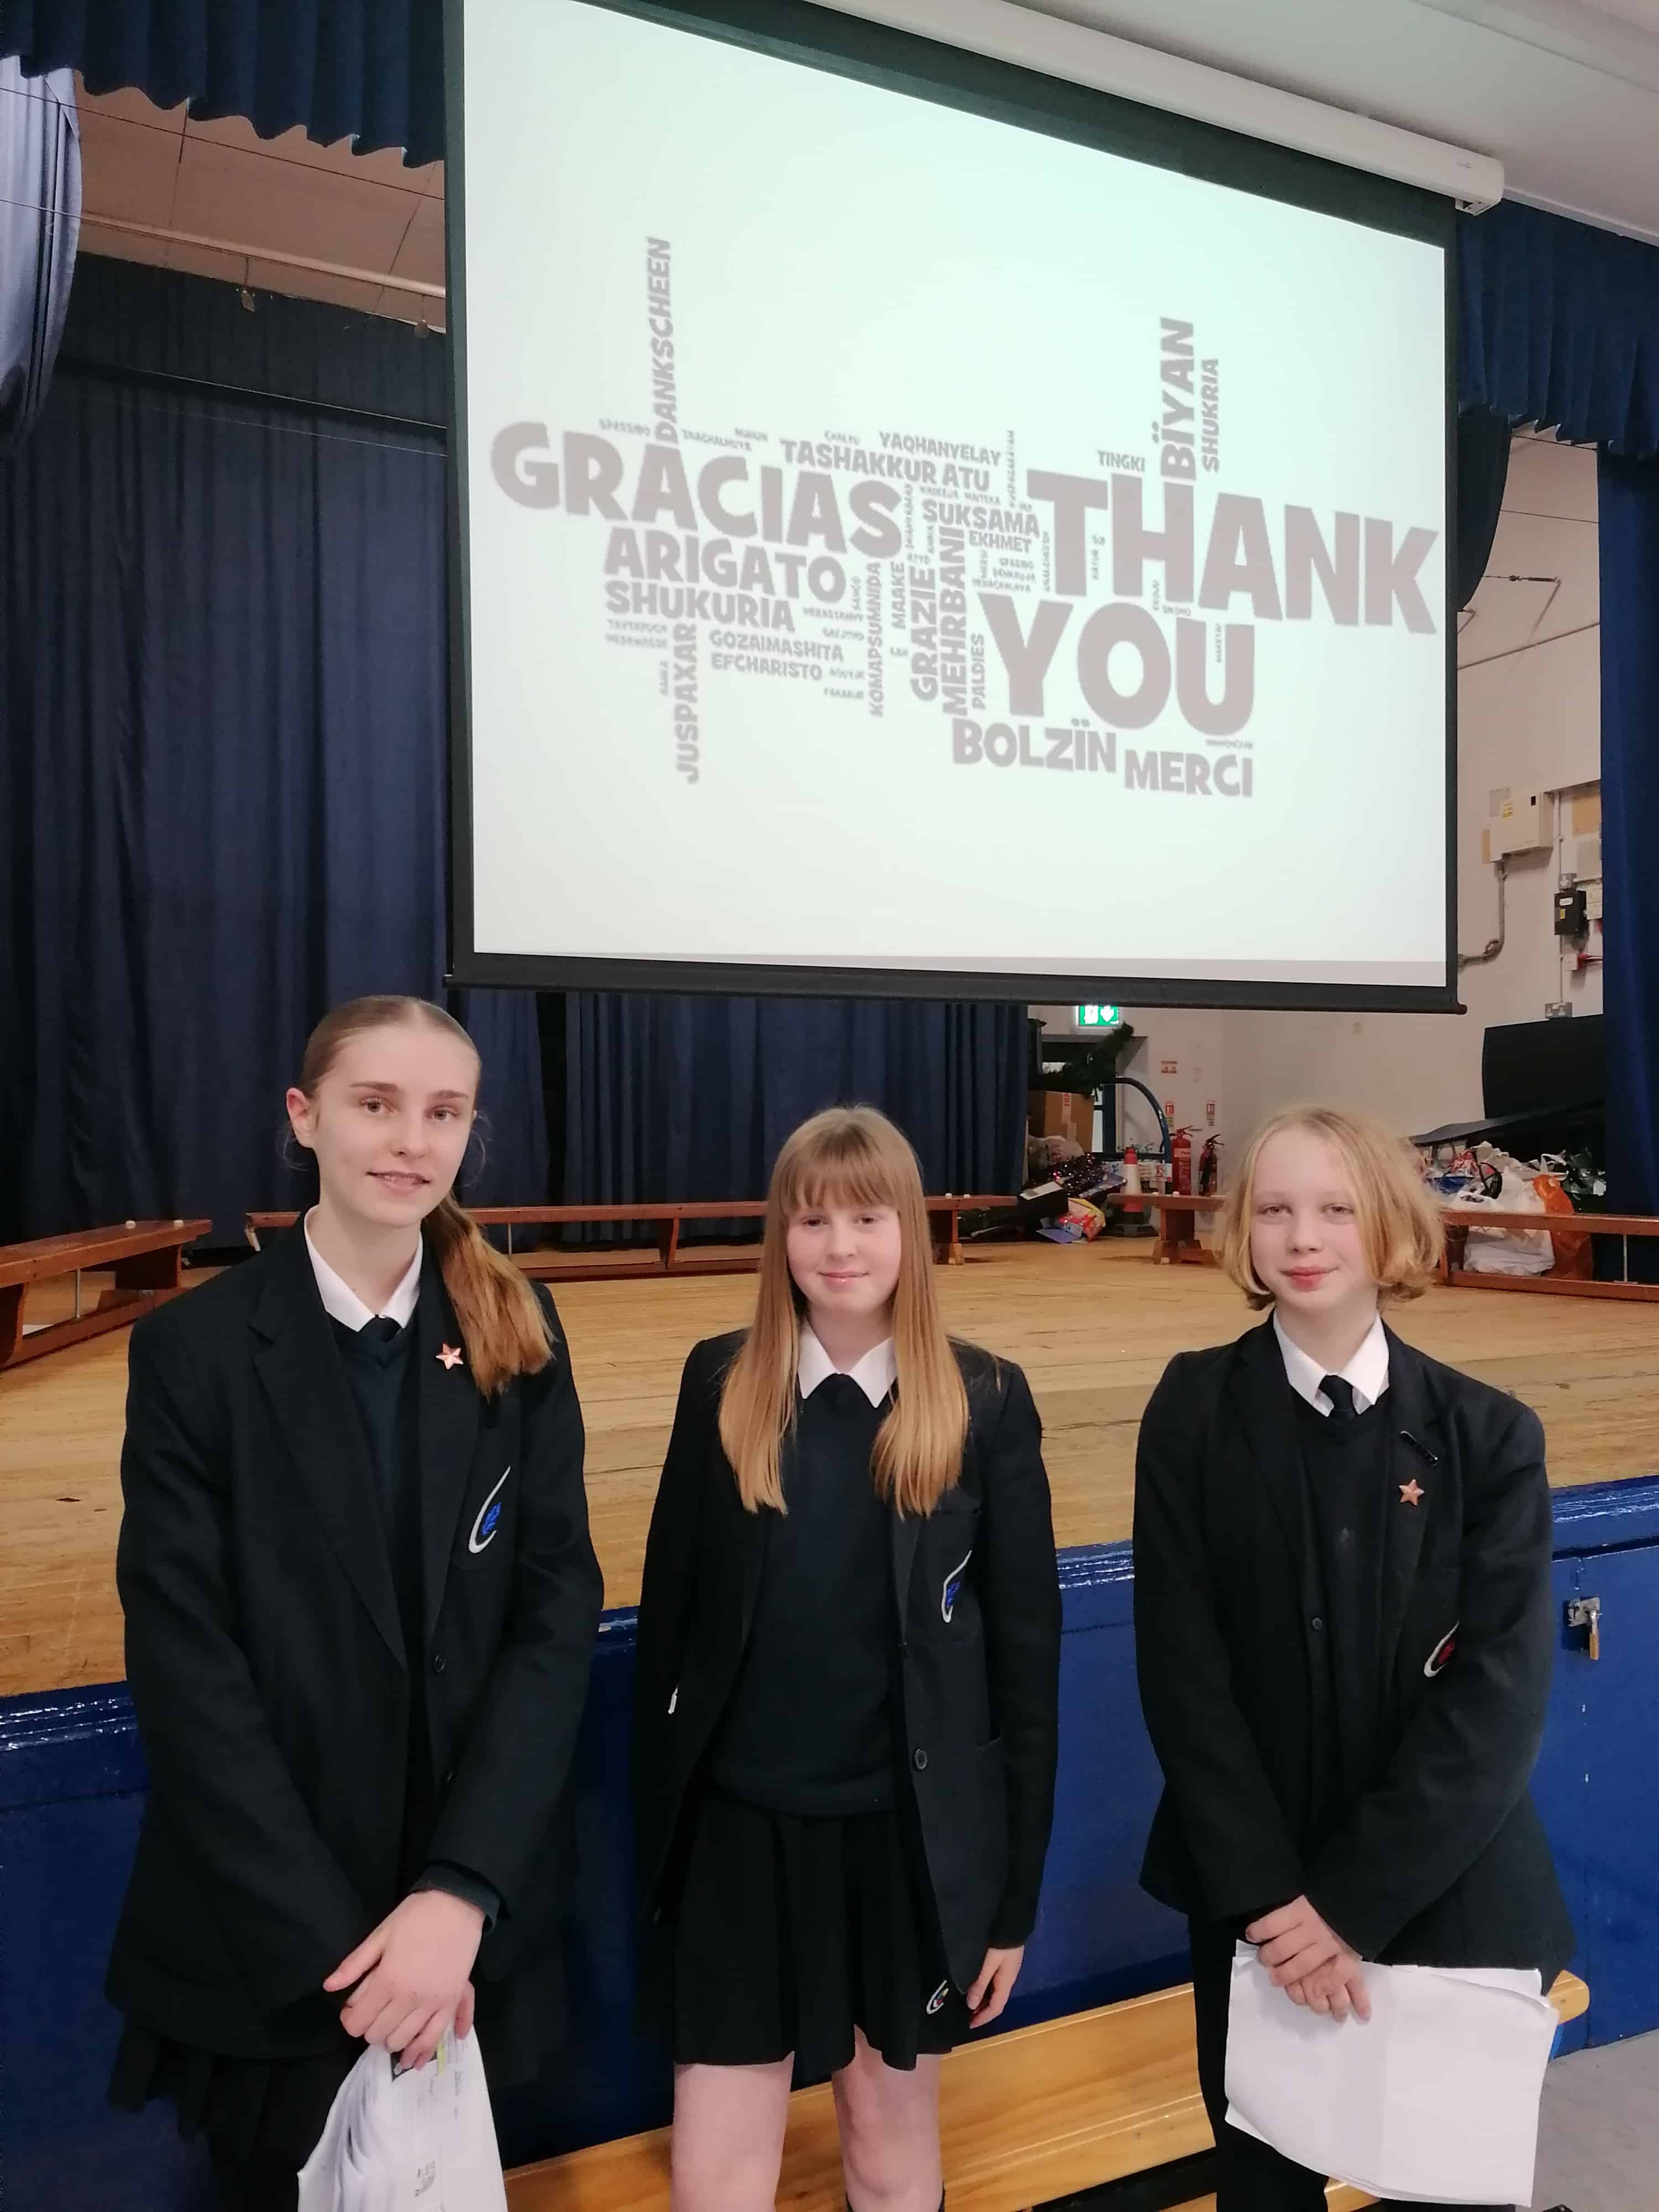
[
  {"x": 1576, "y": 135},
  {"x": 1549, "y": 87}
]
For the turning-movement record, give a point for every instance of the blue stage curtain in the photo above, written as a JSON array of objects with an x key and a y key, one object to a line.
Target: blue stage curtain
[
  {"x": 1629, "y": 508},
  {"x": 1559, "y": 325},
  {"x": 691, "y": 1097},
  {"x": 1483, "y": 468},
  {"x": 223, "y": 688},
  {"x": 372, "y": 70},
  {"x": 39, "y": 228}
]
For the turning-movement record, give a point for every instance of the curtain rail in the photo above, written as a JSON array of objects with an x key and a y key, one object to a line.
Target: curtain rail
[
  {"x": 250, "y": 253},
  {"x": 200, "y": 387}
]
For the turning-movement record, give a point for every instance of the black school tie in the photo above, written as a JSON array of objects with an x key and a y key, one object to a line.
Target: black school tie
[
  {"x": 381, "y": 1330},
  {"x": 840, "y": 1394},
  {"x": 1340, "y": 1393}
]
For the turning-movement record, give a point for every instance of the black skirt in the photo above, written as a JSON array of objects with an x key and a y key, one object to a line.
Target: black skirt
[
  {"x": 789, "y": 1932},
  {"x": 271, "y": 2111}
]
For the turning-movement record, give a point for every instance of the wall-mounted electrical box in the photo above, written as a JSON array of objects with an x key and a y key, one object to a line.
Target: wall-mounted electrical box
[
  {"x": 1524, "y": 822},
  {"x": 1571, "y": 911}
]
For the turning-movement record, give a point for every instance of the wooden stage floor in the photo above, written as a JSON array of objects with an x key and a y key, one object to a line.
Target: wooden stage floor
[{"x": 1092, "y": 1325}]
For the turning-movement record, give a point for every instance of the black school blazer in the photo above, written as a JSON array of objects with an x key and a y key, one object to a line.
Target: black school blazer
[
  {"x": 267, "y": 1667},
  {"x": 1445, "y": 1863},
  {"x": 979, "y": 1671}
]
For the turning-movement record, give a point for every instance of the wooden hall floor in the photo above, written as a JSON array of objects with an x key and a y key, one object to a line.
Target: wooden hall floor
[{"x": 1092, "y": 1325}]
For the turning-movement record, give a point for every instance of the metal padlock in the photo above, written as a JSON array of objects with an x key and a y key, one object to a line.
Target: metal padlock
[{"x": 1585, "y": 1613}]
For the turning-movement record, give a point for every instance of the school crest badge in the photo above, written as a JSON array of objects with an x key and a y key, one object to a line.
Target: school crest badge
[
  {"x": 952, "y": 1588},
  {"x": 489, "y": 1517}
]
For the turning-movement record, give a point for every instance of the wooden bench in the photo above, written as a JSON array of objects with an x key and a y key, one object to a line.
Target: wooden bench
[
  {"x": 1045, "y": 2111},
  {"x": 1177, "y": 1228},
  {"x": 1177, "y": 1241},
  {"x": 1460, "y": 1219},
  {"x": 146, "y": 1255},
  {"x": 667, "y": 1218}
]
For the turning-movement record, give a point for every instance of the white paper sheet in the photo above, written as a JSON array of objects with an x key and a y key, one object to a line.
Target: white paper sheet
[
  {"x": 1434, "y": 2099},
  {"x": 420, "y": 2142}
]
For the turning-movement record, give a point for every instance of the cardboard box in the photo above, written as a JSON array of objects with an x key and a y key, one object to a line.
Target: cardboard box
[{"x": 1062, "y": 1114}]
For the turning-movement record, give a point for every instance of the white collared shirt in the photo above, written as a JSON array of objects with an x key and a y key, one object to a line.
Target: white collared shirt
[
  {"x": 1367, "y": 1371},
  {"x": 875, "y": 1373},
  {"x": 342, "y": 1303}
]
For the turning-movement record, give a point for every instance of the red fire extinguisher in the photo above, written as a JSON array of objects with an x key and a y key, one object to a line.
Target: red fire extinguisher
[{"x": 1181, "y": 1161}]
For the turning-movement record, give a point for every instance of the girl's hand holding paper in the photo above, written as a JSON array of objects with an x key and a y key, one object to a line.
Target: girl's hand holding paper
[
  {"x": 1294, "y": 1941},
  {"x": 1336, "y": 1990},
  {"x": 412, "y": 1975}
]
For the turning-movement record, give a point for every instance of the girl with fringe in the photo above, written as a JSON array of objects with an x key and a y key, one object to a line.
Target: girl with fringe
[
  {"x": 847, "y": 1683},
  {"x": 1344, "y": 1624}
]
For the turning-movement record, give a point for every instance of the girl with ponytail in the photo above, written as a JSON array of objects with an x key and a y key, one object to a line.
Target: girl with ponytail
[{"x": 360, "y": 1600}]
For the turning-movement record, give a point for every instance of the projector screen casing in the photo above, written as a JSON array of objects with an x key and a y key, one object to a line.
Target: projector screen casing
[{"x": 856, "y": 48}]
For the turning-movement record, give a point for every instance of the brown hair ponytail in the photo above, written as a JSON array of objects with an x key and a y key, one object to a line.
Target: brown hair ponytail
[
  {"x": 501, "y": 1317},
  {"x": 503, "y": 1324}
]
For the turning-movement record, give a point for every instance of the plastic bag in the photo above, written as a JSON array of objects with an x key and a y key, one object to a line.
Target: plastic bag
[
  {"x": 1583, "y": 1182},
  {"x": 1507, "y": 1251},
  {"x": 1573, "y": 1253}
]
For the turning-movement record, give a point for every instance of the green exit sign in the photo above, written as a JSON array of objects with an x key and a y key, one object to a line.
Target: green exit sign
[{"x": 1098, "y": 1018}]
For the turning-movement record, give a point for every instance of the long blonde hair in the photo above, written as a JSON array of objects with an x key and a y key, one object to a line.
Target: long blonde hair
[
  {"x": 501, "y": 1319},
  {"x": 1400, "y": 1225},
  {"x": 855, "y": 1155}
]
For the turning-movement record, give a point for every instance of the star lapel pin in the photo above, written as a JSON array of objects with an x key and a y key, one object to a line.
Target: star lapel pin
[
  {"x": 451, "y": 1355},
  {"x": 1411, "y": 1493}
]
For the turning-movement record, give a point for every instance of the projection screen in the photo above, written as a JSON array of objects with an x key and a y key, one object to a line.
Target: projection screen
[{"x": 922, "y": 527}]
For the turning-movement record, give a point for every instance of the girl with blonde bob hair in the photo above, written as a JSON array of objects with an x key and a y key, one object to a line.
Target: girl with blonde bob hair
[
  {"x": 1343, "y": 1624},
  {"x": 1400, "y": 1224},
  {"x": 847, "y": 1681}
]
